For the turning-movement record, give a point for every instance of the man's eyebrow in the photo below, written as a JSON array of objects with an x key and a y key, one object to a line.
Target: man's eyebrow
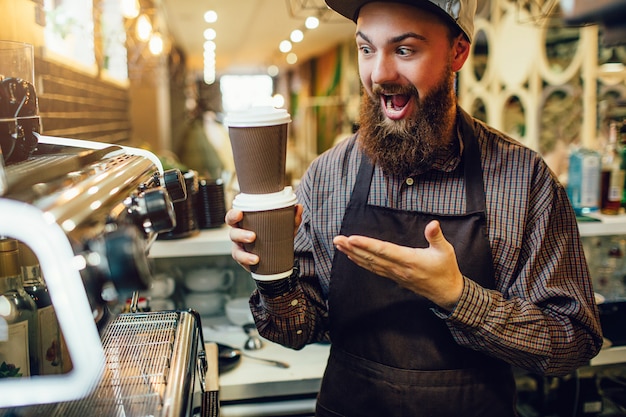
[{"x": 395, "y": 39}]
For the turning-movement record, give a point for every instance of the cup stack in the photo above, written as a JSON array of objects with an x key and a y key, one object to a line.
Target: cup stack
[{"x": 259, "y": 141}]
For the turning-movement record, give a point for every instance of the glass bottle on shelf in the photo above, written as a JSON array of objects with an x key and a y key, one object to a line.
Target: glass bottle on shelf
[
  {"x": 613, "y": 174},
  {"x": 50, "y": 359},
  {"x": 18, "y": 317},
  {"x": 583, "y": 183},
  {"x": 621, "y": 134}
]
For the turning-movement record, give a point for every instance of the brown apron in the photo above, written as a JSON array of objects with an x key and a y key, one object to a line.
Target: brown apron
[{"x": 390, "y": 355}]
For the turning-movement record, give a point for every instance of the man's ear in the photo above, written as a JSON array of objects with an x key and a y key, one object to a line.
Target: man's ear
[{"x": 460, "y": 50}]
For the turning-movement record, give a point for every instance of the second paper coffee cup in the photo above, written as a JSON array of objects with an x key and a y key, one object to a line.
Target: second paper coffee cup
[
  {"x": 272, "y": 217},
  {"x": 258, "y": 137}
]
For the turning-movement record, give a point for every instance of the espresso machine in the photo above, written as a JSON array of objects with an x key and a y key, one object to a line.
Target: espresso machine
[{"x": 89, "y": 212}]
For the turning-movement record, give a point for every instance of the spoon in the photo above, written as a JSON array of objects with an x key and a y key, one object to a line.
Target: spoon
[
  {"x": 280, "y": 364},
  {"x": 254, "y": 341},
  {"x": 231, "y": 352}
]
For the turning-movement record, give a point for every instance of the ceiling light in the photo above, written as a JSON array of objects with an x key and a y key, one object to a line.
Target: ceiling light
[
  {"x": 209, "y": 56},
  {"x": 292, "y": 58},
  {"x": 272, "y": 70},
  {"x": 296, "y": 36},
  {"x": 209, "y": 46},
  {"x": 278, "y": 101},
  {"x": 210, "y": 16},
  {"x": 144, "y": 28},
  {"x": 156, "y": 44},
  {"x": 311, "y": 22},
  {"x": 209, "y": 76},
  {"x": 130, "y": 8},
  {"x": 210, "y": 34},
  {"x": 285, "y": 46}
]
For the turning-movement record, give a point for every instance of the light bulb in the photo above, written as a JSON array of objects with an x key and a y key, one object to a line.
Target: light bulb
[
  {"x": 297, "y": 36},
  {"x": 143, "y": 28},
  {"x": 130, "y": 8},
  {"x": 156, "y": 44},
  {"x": 311, "y": 22},
  {"x": 285, "y": 46}
]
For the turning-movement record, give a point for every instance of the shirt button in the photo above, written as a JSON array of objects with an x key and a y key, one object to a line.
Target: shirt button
[
  {"x": 298, "y": 331},
  {"x": 294, "y": 302},
  {"x": 409, "y": 181}
]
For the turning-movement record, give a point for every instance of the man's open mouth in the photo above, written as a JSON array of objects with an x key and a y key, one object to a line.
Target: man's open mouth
[{"x": 395, "y": 105}]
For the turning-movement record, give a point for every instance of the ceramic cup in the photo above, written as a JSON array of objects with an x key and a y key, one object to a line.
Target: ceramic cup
[
  {"x": 206, "y": 303},
  {"x": 162, "y": 286},
  {"x": 209, "y": 279}
]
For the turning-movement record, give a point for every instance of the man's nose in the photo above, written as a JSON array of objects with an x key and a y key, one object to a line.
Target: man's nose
[{"x": 384, "y": 71}]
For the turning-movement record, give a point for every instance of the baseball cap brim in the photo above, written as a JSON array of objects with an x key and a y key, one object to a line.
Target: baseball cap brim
[{"x": 458, "y": 12}]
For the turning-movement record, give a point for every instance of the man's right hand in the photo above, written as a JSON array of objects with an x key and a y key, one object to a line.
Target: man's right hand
[{"x": 240, "y": 236}]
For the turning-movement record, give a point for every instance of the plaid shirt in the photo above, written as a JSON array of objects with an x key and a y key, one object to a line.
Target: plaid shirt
[{"x": 541, "y": 316}]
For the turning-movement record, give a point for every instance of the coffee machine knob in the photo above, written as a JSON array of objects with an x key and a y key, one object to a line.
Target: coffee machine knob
[
  {"x": 125, "y": 250},
  {"x": 174, "y": 183},
  {"x": 154, "y": 210}
]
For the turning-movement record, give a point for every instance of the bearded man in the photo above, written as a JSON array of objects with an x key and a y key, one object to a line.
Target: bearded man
[{"x": 433, "y": 252}]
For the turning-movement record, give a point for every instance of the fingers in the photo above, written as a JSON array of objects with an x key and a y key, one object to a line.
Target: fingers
[
  {"x": 298, "y": 221},
  {"x": 366, "y": 252},
  {"x": 243, "y": 258},
  {"x": 239, "y": 237},
  {"x": 233, "y": 217}
]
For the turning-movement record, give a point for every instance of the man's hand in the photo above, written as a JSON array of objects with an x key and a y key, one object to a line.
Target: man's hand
[
  {"x": 432, "y": 272},
  {"x": 240, "y": 236}
]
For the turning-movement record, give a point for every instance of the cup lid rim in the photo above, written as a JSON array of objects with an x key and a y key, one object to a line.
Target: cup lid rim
[
  {"x": 262, "y": 202},
  {"x": 257, "y": 116}
]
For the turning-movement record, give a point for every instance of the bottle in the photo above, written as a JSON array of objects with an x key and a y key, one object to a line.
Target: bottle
[
  {"x": 622, "y": 141},
  {"x": 18, "y": 352},
  {"x": 613, "y": 174},
  {"x": 49, "y": 349},
  {"x": 583, "y": 183}
]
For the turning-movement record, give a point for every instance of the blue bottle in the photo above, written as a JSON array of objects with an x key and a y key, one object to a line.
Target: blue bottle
[{"x": 583, "y": 184}]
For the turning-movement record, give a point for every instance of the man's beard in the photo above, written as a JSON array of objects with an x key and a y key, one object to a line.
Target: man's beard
[{"x": 408, "y": 146}]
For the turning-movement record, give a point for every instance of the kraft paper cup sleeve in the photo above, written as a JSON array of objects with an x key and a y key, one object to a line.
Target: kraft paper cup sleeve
[
  {"x": 260, "y": 155},
  {"x": 272, "y": 218},
  {"x": 258, "y": 138},
  {"x": 274, "y": 241}
]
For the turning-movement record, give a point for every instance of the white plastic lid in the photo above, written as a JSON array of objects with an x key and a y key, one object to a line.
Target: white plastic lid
[
  {"x": 272, "y": 277},
  {"x": 257, "y": 116},
  {"x": 263, "y": 202}
]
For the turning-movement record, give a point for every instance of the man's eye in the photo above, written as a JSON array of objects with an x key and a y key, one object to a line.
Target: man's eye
[
  {"x": 404, "y": 51},
  {"x": 365, "y": 50}
]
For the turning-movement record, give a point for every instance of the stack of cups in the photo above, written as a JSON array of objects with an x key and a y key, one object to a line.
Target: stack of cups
[{"x": 259, "y": 141}]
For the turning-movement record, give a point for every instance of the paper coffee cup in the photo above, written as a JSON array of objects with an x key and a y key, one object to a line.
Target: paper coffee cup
[
  {"x": 272, "y": 217},
  {"x": 258, "y": 137}
]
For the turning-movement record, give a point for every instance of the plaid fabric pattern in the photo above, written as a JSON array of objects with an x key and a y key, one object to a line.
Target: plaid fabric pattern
[{"x": 540, "y": 317}]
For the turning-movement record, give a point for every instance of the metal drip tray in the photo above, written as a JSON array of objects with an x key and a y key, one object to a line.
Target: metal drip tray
[
  {"x": 138, "y": 351},
  {"x": 154, "y": 366}
]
